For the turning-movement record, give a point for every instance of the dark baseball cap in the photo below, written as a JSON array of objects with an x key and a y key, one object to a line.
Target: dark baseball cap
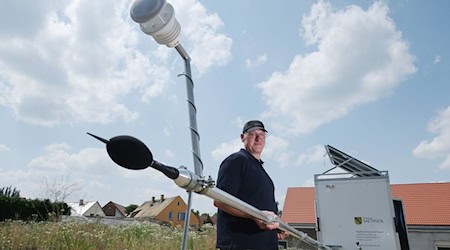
[{"x": 253, "y": 125}]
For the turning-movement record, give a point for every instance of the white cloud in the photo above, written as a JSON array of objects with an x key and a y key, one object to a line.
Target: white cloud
[
  {"x": 360, "y": 58},
  {"x": 89, "y": 167},
  {"x": 280, "y": 199},
  {"x": 312, "y": 155},
  {"x": 4, "y": 148},
  {"x": 75, "y": 64},
  {"x": 446, "y": 163},
  {"x": 76, "y": 61},
  {"x": 239, "y": 122},
  {"x": 169, "y": 154},
  {"x": 18, "y": 176},
  {"x": 437, "y": 59},
  {"x": 277, "y": 149},
  {"x": 225, "y": 149},
  {"x": 58, "y": 159},
  {"x": 308, "y": 183},
  {"x": 257, "y": 62},
  {"x": 439, "y": 146},
  {"x": 201, "y": 28}
]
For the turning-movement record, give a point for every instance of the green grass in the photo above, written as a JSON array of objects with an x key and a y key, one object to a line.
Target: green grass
[{"x": 76, "y": 235}]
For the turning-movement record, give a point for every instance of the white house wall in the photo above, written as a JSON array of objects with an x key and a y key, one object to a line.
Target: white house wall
[
  {"x": 95, "y": 210},
  {"x": 428, "y": 240}
]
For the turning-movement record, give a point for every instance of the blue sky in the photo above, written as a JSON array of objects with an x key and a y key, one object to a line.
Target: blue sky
[{"x": 369, "y": 78}]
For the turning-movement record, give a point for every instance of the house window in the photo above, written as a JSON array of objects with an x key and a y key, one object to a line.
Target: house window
[
  {"x": 178, "y": 203},
  {"x": 442, "y": 245},
  {"x": 181, "y": 216},
  {"x": 170, "y": 216}
]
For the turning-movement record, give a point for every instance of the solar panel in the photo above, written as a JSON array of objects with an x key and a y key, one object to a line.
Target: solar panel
[{"x": 350, "y": 164}]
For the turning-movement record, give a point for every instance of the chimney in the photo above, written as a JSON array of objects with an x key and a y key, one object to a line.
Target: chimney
[
  {"x": 153, "y": 199},
  {"x": 81, "y": 202},
  {"x": 162, "y": 198}
]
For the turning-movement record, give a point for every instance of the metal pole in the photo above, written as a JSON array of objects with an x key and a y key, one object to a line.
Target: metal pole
[{"x": 195, "y": 137}]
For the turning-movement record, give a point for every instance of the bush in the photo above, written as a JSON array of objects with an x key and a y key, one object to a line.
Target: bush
[{"x": 16, "y": 208}]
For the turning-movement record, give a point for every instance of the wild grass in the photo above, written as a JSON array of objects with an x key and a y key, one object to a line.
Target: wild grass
[{"x": 80, "y": 236}]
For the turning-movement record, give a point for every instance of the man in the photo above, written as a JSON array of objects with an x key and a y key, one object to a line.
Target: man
[{"x": 242, "y": 175}]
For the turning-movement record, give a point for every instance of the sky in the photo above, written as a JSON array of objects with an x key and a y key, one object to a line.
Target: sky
[{"x": 369, "y": 78}]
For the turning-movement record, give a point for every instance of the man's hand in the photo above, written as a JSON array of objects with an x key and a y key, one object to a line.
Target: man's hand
[
  {"x": 282, "y": 234},
  {"x": 262, "y": 225}
]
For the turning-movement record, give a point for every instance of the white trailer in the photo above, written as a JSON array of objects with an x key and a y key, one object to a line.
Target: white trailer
[{"x": 355, "y": 210}]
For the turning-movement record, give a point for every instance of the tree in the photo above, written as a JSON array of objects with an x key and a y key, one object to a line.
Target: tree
[
  {"x": 58, "y": 192},
  {"x": 196, "y": 212},
  {"x": 61, "y": 190},
  {"x": 9, "y": 192},
  {"x": 130, "y": 208},
  {"x": 207, "y": 218},
  {"x": 14, "y": 207}
]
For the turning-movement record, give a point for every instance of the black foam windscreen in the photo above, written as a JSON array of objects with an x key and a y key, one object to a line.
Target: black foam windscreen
[{"x": 129, "y": 152}]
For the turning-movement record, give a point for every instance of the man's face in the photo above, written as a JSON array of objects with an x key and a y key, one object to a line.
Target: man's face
[{"x": 254, "y": 141}]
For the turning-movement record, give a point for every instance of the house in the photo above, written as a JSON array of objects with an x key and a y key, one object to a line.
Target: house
[
  {"x": 426, "y": 208},
  {"x": 112, "y": 209},
  {"x": 171, "y": 210},
  {"x": 205, "y": 219},
  {"x": 88, "y": 209}
]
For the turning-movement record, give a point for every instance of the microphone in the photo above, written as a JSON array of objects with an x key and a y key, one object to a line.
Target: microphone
[{"x": 131, "y": 153}]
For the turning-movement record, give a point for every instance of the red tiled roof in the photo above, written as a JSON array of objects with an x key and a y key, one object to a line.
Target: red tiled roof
[
  {"x": 299, "y": 206},
  {"x": 423, "y": 203}
]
